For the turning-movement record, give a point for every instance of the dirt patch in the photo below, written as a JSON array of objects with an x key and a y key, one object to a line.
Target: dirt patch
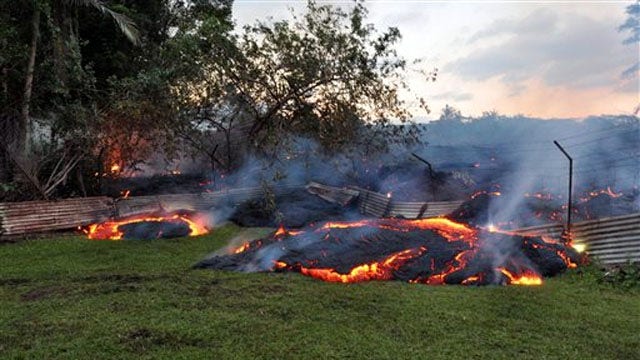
[
  {"x": 14, "y": 281},
  {"x": 142, "y": 339},
  {"x": 122, "y": 278},
  {"x": 44, "y": 292}
]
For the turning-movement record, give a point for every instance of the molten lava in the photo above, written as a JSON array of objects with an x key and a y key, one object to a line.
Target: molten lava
[
  {"x": 430, "y": 251},
  {"x": 377, "y": 270},
  {"x": 595, "y": 193},
  {"x": 484, "y": 192},
  {"x": 526, "y": 278},
  {"x": 115, "y": 229}
]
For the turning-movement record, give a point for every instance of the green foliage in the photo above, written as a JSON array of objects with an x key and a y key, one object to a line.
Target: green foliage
[
  {"x": 326, "y": 75},
  {"x": 190, "y": 81},
  {"x": 626, "y": 276}
]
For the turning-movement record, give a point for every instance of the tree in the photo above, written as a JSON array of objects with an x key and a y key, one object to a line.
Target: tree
[
  {"x": 449, "y": 113},
  {"x": 65, "y": 35},
  {"x": 325, "y": 75},
  {"x": 53, "y": 84}
]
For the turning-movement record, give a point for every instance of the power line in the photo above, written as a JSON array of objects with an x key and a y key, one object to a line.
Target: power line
[
  {"x": 589, "y": 132},
  {"x": 595, "y": 140}
]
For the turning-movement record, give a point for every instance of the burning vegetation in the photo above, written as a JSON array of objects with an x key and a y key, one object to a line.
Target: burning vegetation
[{"x": 430, "y": 251}]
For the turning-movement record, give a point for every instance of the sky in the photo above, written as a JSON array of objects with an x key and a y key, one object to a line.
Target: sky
[{"x": 548, "y": 59}]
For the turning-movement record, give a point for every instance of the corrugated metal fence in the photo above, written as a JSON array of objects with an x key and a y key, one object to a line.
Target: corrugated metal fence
[
  {"x": 381, "y": 205},
  {"x": 612, "y": 240},
  {"x": 40, "y": 216},
  {"x": 31, "y": 217}
]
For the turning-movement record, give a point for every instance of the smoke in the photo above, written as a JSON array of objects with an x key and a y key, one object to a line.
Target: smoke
[
  {"x": 513, "y": 156},
  {"x": 517, "y": 157}
]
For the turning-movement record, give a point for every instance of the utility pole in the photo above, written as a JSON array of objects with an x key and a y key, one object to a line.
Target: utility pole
[{"x": 569, "y": 209}]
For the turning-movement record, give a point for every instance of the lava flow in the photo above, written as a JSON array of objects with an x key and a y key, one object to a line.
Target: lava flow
[
  {"x": 148, "y": 226},
  {"x": 430, "y": 251}
]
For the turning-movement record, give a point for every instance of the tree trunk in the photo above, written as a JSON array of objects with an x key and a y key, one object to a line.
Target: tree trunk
[
  {"x": 24, "y": 140},
  {"x": 5, "y": 83},
  {"x": 62, "y": 37}
]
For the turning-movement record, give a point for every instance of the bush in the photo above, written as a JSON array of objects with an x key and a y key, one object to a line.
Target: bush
[{"x": 625, "y": 276}]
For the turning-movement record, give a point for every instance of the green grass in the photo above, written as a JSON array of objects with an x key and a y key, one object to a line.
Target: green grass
[{"x": 74, "y": 298}]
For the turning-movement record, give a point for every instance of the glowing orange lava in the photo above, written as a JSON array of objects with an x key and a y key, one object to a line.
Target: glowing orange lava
[
  {"x": 467, "y": 256},
  {"x": 110, "y": 230},
  {"x": 378, "y": 270},
  {"x": 242, "y": 248},
  {"x": 450, "y": 229},
  {"x": 484, "y": 192},
  {"x": 282, "y": 231},
  {"x": 591, "y": 194},
  {"x": 527, "y": 278}
]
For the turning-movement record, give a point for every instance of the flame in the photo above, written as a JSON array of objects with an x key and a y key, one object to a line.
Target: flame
[
  {"x": 526, "y": 278},
  {"x": 110, "y": 230},
  {"x": 115, "y": 168}
]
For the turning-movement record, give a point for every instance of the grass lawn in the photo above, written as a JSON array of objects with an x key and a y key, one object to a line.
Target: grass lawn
[{"x": 74, "y": 298}]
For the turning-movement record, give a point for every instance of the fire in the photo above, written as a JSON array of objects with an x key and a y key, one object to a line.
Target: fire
[
  {"x": 115, "y": 168},
  {"x": 110, "y": 230},
  {"x": 526, "y": 278}
]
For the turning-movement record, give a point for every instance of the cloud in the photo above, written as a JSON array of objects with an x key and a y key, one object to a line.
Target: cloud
[
  {"x": 537, "y": 20},
  {"x": 569, "y": 50},
  {"x": 452, "y": 95}
]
